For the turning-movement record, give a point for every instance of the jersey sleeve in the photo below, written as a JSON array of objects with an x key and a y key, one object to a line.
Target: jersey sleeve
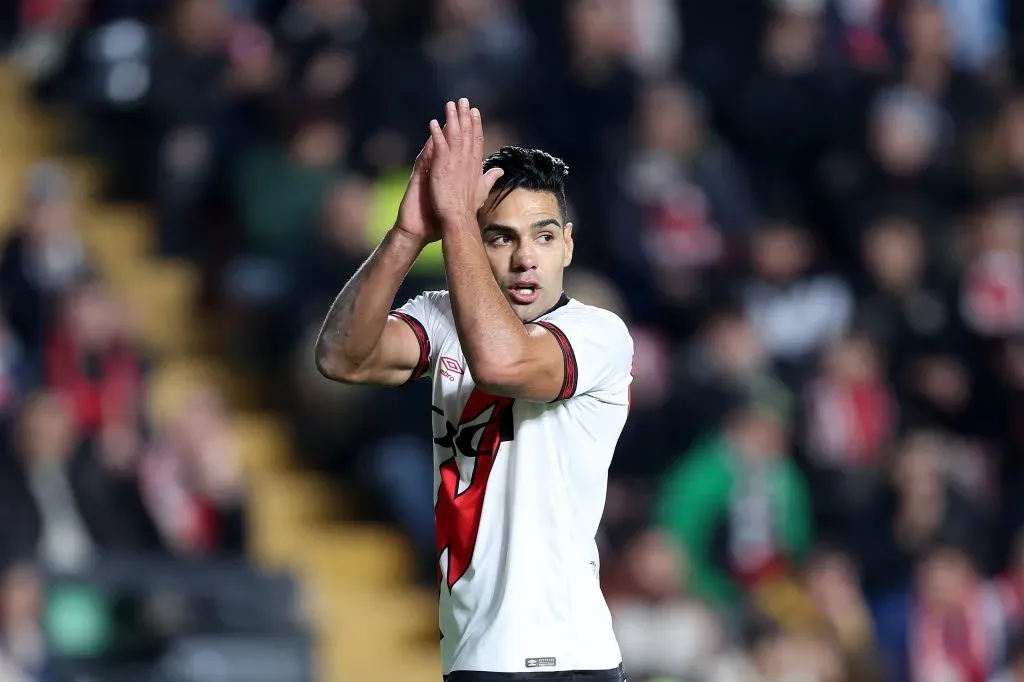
[
  {"x": 425, "y": 316},
  {"x": 597, "y": 350}
]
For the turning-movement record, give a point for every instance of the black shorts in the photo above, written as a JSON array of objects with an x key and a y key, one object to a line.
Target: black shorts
[{"x": 613, "y": 675}]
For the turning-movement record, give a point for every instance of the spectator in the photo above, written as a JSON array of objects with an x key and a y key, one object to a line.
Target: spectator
[
  {"x": 43, "y": 257},
  {"x": 662, "y": 631},
  {"x": 851, "y": 416},
  {"x": 23, "y": 649},
  {"x": 686, "y": 195},
  {"x": 190, "y": 481},
  {"x": 60, "y": 502},
  {"x": 786, "y": 287},
  {"x": 738, "y": 505},
  {"x": 91, "y": 361}
]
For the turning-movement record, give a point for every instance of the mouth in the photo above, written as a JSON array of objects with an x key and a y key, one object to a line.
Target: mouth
[{"x": 524, "y": 293}]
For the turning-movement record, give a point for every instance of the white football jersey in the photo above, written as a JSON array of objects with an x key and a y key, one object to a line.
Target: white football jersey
[{"x": 520, "y": 490}]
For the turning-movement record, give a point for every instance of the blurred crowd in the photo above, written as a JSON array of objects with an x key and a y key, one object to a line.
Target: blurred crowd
[
  {"x": 810, "y": 213},
  {"x": 87, "y": 469}
]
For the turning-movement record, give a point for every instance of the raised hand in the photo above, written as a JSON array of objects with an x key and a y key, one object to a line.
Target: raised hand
[
  {"x": 458, "y": 185},
  {"x": 416, "y": 216}
]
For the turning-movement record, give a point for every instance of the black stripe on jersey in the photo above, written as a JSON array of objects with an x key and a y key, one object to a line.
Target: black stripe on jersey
[
  {"x": 423, "y": 364},
  {"x": 571, "y": 377}
]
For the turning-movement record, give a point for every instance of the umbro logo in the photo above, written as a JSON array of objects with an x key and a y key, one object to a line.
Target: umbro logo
[
  {"x": 543, "y": 662},
  {"x": 450, "y": 367}
]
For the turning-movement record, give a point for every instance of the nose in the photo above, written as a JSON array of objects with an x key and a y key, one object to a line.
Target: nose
[{"x": 524, "y": 258}]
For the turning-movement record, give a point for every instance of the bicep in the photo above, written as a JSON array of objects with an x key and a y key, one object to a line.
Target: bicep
[{"x": 401, "y": 355}]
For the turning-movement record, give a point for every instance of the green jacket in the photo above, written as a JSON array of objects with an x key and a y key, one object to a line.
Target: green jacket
[
  {"x": 280, "y": 202},
  {"x": 696, "y": 495}
]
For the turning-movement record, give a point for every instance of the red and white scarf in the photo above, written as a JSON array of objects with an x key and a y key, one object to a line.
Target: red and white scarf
[
  {"x": 849, "y": 424},
  {"x": 959, "y": 647}
]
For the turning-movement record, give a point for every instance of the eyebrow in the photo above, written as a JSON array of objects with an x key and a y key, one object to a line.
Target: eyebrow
[{"x": 539, "y": 225}]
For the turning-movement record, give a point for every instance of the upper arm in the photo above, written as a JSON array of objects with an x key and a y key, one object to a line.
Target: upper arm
[
  {"x": 398, "y": 356},
  {"x": 404, "y": 351},
  {"x": 581, "y": 351}
]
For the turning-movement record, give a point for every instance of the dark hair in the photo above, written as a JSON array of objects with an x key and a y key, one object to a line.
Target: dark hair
[{"x": 530, "y": 169}]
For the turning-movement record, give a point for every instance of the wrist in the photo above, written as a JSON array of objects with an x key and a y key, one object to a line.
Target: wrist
[
  {"x": 404, "y": 241},
  {"x": 459, "y": 222}
]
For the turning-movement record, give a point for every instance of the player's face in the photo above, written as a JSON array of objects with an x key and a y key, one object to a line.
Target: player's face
[{"x": 529, "y": 246}]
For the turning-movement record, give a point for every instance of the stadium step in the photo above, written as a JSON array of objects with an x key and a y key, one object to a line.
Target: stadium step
[
  {"x": 289, "y": 501},
  {"x": 404, "y": 614},
  {"x": 161, "y": 295},
  {"x": 118, "y": 238},
  {"x": 172, "y": 379},
  {"x": 367, "y": 556},
  {"x": 407, "y": 665}
]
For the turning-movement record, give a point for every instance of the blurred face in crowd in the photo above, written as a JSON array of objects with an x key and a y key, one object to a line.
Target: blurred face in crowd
[
  {"x": 93, "y": 317},
  {"x": 894, "y": 254},
  {"x": 319, "y": 143},
  {"x": 668, "y": 120},
  {"x": 832, "y": 581},
  {"x": 1002, "y": 227},
  {"x": 904, "y": 136},
  {"x": 852, "y": 360},
  {"x": 461, "y": 14},
  {"x": 925, "y": 30},
  {"x": 52, "y": 219},
  {"x": 1013, "y": 132},
  {"x": 348, "y": 207},
  {"x": 595, "y": 26},
  {"x": 759, "y": 435},
  {"x": 46, "y": 432},
  {"x": 201, "y": 24},
  {"x": 734, "y": 345},
  {"x": 20, "y": 598},
  {"x": 781, "y": 252},
  {"x": 656, "y": 565},
  {"x": 944, "y": 578},
  {"x": 529, "y": 245},
  {"x": 793, "y": 38}
]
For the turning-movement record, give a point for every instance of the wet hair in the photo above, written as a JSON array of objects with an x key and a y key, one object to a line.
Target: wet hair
[{"x": 529, "y": 169}]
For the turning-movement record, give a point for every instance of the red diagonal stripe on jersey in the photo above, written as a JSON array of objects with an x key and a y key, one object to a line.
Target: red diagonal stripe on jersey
[{"x": 457, "y": 515}]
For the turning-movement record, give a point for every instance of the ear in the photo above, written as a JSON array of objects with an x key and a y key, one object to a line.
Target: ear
[{"x": 569, "y": 245}]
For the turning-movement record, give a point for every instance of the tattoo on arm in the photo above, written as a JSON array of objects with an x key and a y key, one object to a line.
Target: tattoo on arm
[{"x": 338, "y": 322}]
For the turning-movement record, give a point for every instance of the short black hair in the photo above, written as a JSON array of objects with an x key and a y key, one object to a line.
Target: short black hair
[{"x": 530, "y": 169}]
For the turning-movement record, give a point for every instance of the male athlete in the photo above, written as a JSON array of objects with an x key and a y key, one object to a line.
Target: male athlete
[{"x": 531, "y": 391}]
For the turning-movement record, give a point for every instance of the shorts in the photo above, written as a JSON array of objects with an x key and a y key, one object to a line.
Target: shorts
[{"x": 613, "y": 675}]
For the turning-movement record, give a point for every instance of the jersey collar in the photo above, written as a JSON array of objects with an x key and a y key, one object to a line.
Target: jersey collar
[{"x": 562, "y": 300}]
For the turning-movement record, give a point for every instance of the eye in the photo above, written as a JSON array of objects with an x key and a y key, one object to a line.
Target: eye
[
  {"x": 501, "y": 240},
  {"x": 546, "y": 238}
]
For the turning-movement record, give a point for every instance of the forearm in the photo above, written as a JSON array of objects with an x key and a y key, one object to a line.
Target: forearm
[
  {"x": 489, "y": 332},
  {"x": 356, "y": 320}
]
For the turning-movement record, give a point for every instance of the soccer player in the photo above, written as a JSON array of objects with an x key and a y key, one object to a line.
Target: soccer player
[{"x": 530, "y": 394}]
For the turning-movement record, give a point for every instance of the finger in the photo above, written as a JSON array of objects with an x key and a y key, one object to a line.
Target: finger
[
  {"x": 428, "y": 151},
  {"x": 478, "y": 134},
  {"x": 491, "y": 177},
  {"x": 422, "y": 154},
  {"x": 453, "y": 132},
  {"x": 466, "y": 125},
  {"x": 440, "y": 145}
]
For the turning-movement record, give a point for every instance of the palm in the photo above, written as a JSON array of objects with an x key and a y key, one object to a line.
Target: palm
[{"x": 415, "y": 214}]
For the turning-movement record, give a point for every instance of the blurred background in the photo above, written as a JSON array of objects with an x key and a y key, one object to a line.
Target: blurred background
[{"x": 810, "y": 213}]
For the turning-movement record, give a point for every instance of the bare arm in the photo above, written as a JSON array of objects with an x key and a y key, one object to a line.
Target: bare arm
[
  {"x": 359, "y": 343},
  {"x": 505, "y": 356}
]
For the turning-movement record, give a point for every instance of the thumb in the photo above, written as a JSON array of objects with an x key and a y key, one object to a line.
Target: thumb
[
  {"x": 422, "y": 163},
  {"x": 491, "y": 177}
]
